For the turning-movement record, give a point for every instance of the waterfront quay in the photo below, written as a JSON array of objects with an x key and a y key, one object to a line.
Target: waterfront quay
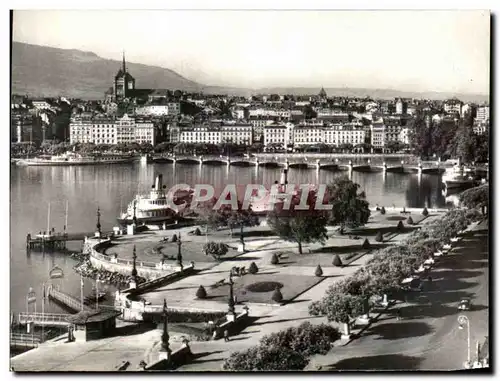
[{"x": 134, "y": 341}]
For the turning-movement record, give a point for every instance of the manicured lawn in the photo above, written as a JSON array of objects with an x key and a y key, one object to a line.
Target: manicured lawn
[
  {"x": 152, "y": 251},
  {"x": 324, "y": 256},
  {"x": 292, "y": 287}
]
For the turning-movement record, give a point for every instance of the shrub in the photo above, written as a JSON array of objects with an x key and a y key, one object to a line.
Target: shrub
[
  {"x": 319, "y": 271},
  {"x": 253, "y": 269},
  {"x": 409, "y": 221},
  {"x": 277, "y": 295},
  {"x": 201, "y": 293},
  {"x": 275, "y": 260},
  {"x": 382, "y": 210},
  {"x": 306, "y": 339},
  {"x": 197, "y": 231},
  {"x": 400, "y": 226},
  {"x": 262, "y": 358},
  {"x": 337, "y": 261},
  {"x": 215, "y": 249},
  {"x": 366, "y": 244},
  {"x": 425, "y": 212},
  {"x": 174, "y": 238},
  {"x": 379, "y": 237}
]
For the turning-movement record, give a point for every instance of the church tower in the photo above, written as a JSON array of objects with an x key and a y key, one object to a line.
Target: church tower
[{"x": 124, "y": 84}]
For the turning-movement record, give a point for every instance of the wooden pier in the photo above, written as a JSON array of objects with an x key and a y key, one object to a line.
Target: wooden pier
[
  {"x": 66, "y": 300},
  {"x": 54, "y": 241},
  {"x": 45, "y": 319}
]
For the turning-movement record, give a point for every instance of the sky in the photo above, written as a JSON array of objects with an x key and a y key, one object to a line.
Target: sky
[{"x": 445, "y": 51}]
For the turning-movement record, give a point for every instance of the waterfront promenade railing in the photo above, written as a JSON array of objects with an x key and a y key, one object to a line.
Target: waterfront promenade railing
[
  {"x": 24, "y": 340},
  {"x": 43, "y": 318},
  {"x": 66, "y": 299}
]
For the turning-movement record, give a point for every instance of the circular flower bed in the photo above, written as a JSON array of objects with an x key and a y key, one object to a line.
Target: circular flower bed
[
  {"x": 395, "y": 218},
  {"x": 264, "y": 286}
]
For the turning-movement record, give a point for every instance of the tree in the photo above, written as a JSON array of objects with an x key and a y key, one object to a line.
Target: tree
[
  {"x": 386, "y": 275},
  {"x": 212, "y": 219},
  {"x": 201, "y": 293},
  {"x": 349, "y": 207},
  {"x": 215, "y": 249},
  {"x": 306, "y": 339},
  {"x": 318, "y": 271},
  {"x": 382, "y": 210},
  {"x": 476, "y": 198},
  {"x": 337, "y": 262},
  {"x": 241, "y": 218},
  {"x": 340, "y": 308},
  {"x": 425, "y": 212},
  {"x": 197, "y": 231},
  {"x": 463, "y": 143},
  {"x": 409, "y": 220},
  {"x": 274, "y": 259},
  {"x": 379, "y": 237},
  {"x": 277, "y": 295},
  {"x": 366, "y": 244},
  {"x": 482, "y": 147},
  {"x": 400, "y": 226},
  {"x": 263, "y": 358},
  {"x": 253, "y": 269},
  {"x": 301, "y": 228},
  {"x": 421, "y": 139}
]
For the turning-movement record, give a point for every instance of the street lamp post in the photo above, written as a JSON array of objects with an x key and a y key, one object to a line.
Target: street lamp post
[
  {"x": 165, "y": 346},
  {"x": 231, "y": 295},
  {"x": 464, "y": 320},
  {"x": 179, "y": 254}
]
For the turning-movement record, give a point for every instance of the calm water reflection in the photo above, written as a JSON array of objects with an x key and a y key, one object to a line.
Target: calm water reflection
[{"x": 112, "y": 187}]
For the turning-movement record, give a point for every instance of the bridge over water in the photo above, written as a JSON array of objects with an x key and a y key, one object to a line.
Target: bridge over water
[{"x": 401, "y": 163}]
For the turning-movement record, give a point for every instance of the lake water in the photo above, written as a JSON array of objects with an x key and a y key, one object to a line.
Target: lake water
[{"x": 112, "y": 187}]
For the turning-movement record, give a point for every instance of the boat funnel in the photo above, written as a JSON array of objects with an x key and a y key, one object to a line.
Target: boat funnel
[
  {"x": 158, "y": 182},
  {"x": 284, "y": 179}
]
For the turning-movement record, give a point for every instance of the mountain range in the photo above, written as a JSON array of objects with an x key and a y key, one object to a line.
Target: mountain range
[{"x": 50, "y": 72}]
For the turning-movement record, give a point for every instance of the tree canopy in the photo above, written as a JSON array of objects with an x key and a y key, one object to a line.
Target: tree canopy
[{"x": 349, "y": 206}]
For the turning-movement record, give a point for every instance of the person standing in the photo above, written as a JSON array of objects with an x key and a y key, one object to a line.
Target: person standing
[{"x": 226, "y": 335}]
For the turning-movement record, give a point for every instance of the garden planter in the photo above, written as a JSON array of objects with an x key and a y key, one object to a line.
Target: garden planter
[
  {"x": 347, "y": 332},
  {"x": 385, "y": 301}
]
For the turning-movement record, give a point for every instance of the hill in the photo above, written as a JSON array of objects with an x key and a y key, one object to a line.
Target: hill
[
  {"x": 375, "y": 93},
  {"x": 45, "y": 71}
]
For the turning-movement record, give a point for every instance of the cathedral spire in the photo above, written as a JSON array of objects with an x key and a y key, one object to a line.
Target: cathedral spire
[{"x": 124, "y": 68}]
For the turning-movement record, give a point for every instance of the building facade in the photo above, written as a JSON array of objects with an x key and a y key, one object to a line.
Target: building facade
[
  {"x": 237, "y": 133},
  {"x": 276, "y": 134},
  {"x": 111, "y": 130},
  {"x": 200, "y": 134}
]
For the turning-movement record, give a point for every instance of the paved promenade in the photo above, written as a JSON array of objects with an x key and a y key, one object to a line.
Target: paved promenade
[{"x": 107, "y": 354}]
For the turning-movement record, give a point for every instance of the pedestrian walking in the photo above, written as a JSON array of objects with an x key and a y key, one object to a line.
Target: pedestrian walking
[
  {"x": 398, "y": 314},
  {"x": 226, "y": 335}
]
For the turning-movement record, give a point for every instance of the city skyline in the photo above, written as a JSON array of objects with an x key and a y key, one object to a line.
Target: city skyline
[{"x": 412, "y": 49}]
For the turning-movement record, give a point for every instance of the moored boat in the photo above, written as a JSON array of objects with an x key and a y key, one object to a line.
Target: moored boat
[
  {"x": 459, "y": 177},
  {"x": 158, "y": 208},
  {"x": 72, "y": 158}
]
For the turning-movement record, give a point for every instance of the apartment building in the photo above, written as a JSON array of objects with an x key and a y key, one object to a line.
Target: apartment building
[
  {"x": 483, "y": 113},
  {"x": 276, "y": 134},
  {"x": 238, "y": 133},
  {"x": 378, "y": 134},
  {"x": 201, "y": 134},
  {"x": 100, "y": 129},
  {"x": 308, "y": 135}
]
